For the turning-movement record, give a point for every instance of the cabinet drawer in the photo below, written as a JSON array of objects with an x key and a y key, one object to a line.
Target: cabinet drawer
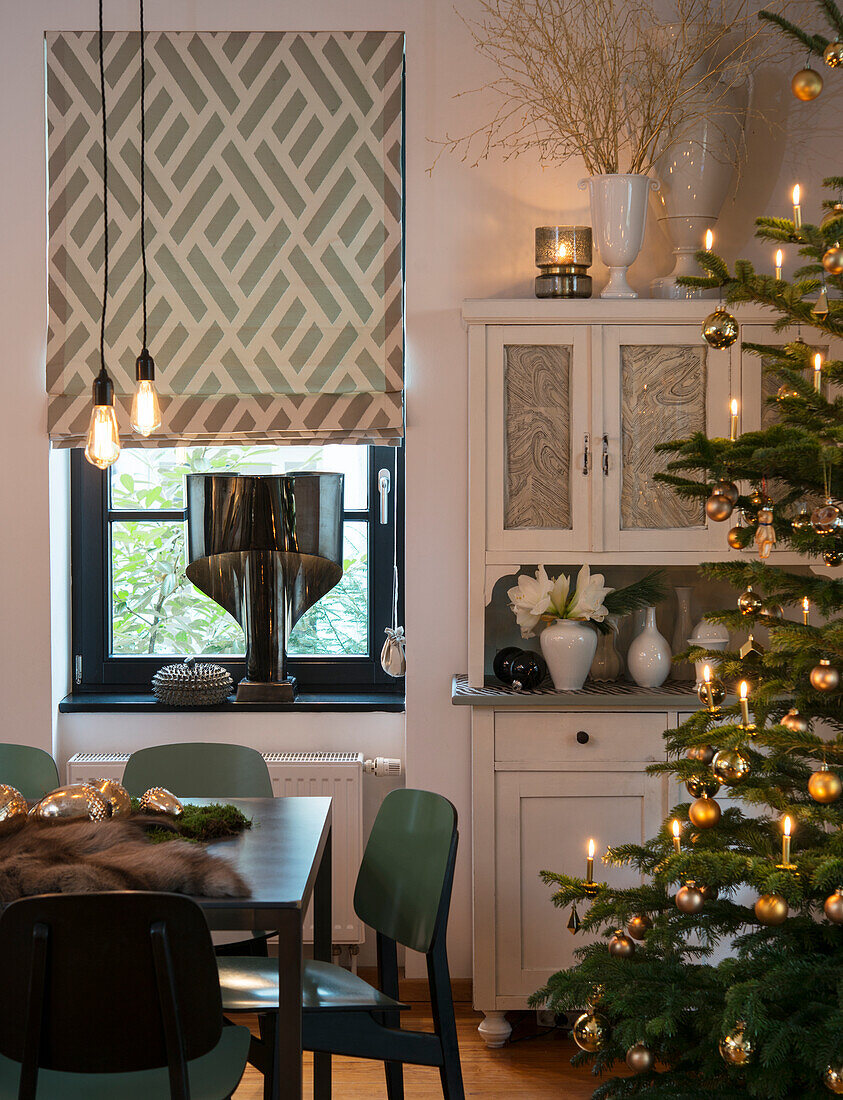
[{"x": 578, "y": 737}]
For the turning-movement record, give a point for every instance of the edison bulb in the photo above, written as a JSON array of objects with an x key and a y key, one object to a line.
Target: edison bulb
[
  {"x": 146, "y": 412},
  {"x": 102, "y": 447}
]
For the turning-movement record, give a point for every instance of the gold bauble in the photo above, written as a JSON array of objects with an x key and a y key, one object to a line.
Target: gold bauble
[
  {"x": 115, "y": 794},
  {"x": 832, "y": 215},
  {"x": 728, "y": 489},
  {"x": 12, "y": 803},
  {"x": 730, "y": 767},
  {"x": 833, "y": 54},
  {"x": 621, "y": 946},
  {"x": 801, "y": 519},
  {"x": 704, "y": 813},
  {"x": 771, "y": 909},
  {"x": 807, "y": 85},
  {"x": 734, "y": 537},
  {"x": 833, "y": 1079},
  {"x": 833, "y": 260},
  {"x": 712, "y": 693},
  {"x": 158, "y": 800},
  {"x": 703, "y": 754},
  {"x": 720, "y": 329},
  {"x": 689, "y": 899},
  {"x": 832, "y": 558},
  {"x": 833, "y": 906},
  {"x": 638, "y": 926},
  {"x": 73, "y": 803},
  {"x": 709, "y": 893},
  {"x": 640, "y": 1058},
  {"x": 756, "y": 500},
  {"x": 825, "y": 786},
  {"x": 702, "y": 785},
  {"x": 795, "y": 722},
  {"x": 784, "y": 392},
  {"x": 590, "y": 1031},
  {"x": 735, "y": 1047},
  {"x": 824, "y": 676},
  {"x": 718, "y": 508},
  {"x": 595, "y": 997},
  {"x": 826, "y": 519},
  {"x": 749, "y": 602}
]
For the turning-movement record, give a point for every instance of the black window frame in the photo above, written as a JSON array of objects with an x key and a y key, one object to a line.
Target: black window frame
[{"x": 95, "y": 670}]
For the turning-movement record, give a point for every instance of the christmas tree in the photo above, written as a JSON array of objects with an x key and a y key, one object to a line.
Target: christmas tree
[{"x": 767, "y": 1021}]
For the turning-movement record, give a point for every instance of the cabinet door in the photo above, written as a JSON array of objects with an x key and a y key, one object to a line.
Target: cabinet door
[
  {"x": 539, "y": 404},
  {"x": 659, "y": 383},
  {"x": 543, "y": 821}
]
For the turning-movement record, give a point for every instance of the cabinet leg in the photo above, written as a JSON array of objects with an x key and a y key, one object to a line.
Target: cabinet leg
[{"x": 495, "y": 1029}]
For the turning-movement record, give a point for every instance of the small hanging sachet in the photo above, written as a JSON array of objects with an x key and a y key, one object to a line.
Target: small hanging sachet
[{"x": 393, "y": 659}]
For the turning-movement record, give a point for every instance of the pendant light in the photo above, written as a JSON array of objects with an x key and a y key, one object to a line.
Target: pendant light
[
  {"x": 146, "y": 412},
  {"x": 102, "y": 446}
]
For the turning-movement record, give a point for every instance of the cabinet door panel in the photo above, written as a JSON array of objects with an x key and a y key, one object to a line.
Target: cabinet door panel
[
  {"x": 660, "y": 383},
  {"x": 544, "y": 821},
  {"x": 538, "y": 417}
]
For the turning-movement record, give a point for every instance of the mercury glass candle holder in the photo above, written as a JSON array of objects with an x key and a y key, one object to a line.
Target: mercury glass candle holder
[{"x": 563, "y": 256}]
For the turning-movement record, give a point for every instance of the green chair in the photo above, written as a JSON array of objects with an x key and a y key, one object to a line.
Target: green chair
[
  {"x": 113, "y": 995},
  {"x": 199, "y": 769},
  {"x": 31, "y": 771},
  {"x": 404, "y": 892}
]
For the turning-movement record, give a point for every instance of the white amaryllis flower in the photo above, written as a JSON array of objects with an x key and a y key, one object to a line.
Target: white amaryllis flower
[
  {"x": 587, "y": 602},
  {"x": 530, "y": 599},
  {"x": 559, "y": 595}
]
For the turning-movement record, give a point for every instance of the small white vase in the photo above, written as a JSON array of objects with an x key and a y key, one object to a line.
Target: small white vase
[
  {"x": 568, "y": 646},
  {"x": 618, "y": 217},
  {"x": 648, "y": 659}
]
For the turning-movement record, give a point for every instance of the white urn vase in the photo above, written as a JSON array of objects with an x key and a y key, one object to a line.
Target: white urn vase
[
  {"x": 648, "y": 658},
  {"x": 618, "y": 217},
  {"x": 568, "y": 647}
]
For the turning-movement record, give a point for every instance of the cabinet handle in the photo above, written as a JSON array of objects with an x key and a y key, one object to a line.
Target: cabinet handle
[
  {"x": 585, "y": 444},
  {"x": 605, "y": 456},
  {"x": 582, "y": 737}
]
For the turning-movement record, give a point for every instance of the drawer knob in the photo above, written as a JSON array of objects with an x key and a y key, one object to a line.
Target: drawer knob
[{"x": 582, "y": 737}]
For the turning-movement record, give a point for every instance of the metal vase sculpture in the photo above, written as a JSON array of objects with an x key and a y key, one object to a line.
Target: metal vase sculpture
[{"x": 266, "y": 548}]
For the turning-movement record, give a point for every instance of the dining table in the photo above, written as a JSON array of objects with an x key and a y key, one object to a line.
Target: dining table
[{"x": 285, "y": 858}]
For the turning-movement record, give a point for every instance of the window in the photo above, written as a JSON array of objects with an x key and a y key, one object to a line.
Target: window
[{"x": 134, "y": 609}]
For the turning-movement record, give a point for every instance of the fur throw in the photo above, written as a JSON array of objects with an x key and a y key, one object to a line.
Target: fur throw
[{"x": 83, "y": 857}]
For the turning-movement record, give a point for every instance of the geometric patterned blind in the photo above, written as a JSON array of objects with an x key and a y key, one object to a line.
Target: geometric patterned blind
[{"x": 273, "y": 226}]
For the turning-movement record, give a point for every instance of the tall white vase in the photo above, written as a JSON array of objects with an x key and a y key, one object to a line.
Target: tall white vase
[
  {"x": 568, "y": 647},
  {"x": 618, "y": 218},
  {"x": 648, "y": 659}
]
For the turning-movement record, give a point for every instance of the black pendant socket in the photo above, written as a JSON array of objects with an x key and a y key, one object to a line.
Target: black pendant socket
[
  {"x": 103, "y": 389},
  {"x": 145, "y": 367}
]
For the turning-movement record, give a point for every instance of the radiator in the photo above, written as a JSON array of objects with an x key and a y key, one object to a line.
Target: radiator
[{"x": 335, "y": 774}]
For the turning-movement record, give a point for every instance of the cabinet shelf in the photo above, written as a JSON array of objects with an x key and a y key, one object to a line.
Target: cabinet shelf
[{"x": 674, "y": 695}]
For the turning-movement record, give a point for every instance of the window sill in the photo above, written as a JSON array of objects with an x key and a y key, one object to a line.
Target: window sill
[{"x": 318, "y": 702}]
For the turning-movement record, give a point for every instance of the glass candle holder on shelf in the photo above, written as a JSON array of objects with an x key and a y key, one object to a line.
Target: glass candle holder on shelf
[{"x": 563, "y": 256}]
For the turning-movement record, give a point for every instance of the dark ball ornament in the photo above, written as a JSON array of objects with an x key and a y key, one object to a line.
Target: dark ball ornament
[
  {"x": 638, "y": 926},
  {"x": 795, "y": 722},
  {"x": 720, "y": 329},
  {"x": 784, "y": 392},
  {"x": 527, "y": 670},
  {"x": 718, "y": 508},
  {"x": 621, "y": 946},
  {"x": 736, "y": 1048},
  {"x": 728, "y": 489},
  {"x": 807, "y": 85},
  {"x": 590, "y": 1032},
  {"x": 689, "y": 899},
  {"x": 833, "y": 907},
  {"x": 825, "y": 786},
  {"x": 833, "y": 260},
  {"x": 702, "y": 786},
  {"x": 640, "y": 1058},
  {"x": 832, "y": 558},
  {"x": 705, "y": 813},
  {"x": 771, "y": 909},
  {"x": 824, "y": 676},
  {"x": 709, "y": 893},
  {"x": 735, "y": 537},
  {"x": 730, "y": 767},
  {"x": 703, "y": 754},
  {"x": 749, "y": 602},
  {"x": 833, "y": 1079}
]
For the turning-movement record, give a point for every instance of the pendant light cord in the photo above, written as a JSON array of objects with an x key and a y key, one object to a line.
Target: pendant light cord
[
  {"x": 104, "y": 199},
  {"x": 143, "y": 165}
]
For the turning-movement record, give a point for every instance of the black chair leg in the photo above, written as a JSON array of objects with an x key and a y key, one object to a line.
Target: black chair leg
[
  {"x": 444, "y": 1022},
  {"x": 394, "y": 1080},
  {"x": 266, "y": 1026}
]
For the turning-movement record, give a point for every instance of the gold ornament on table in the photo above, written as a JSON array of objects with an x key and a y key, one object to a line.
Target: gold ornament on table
[
  {"x": 115, "y": 794},
  {"x": 638, "y": 926},
  {"x": 807, "y": 84},
  {"x": 718, "y": 509},
  {"x": 749, "y": 602},
  {"x": 590, "y": 1031},
  {"x": 825, "y": 786},
  {"x": 833, "y": 260},
  {"x": 833, "y": 906},
  {"x": 795, "y": 722},
  {"x": 640, "y": 1058},
  {"x": 771, "y": 909},
  {"x": 736, "y": 1048},
  {"x": 158, "y": 800},
  {"x": 833, "y": 1079},
  {"x": 72, "y": 803},
  {"x": 689, "y": 899},
  {"x": 705, "y": 813},
  {"x": 720, "y": 329},
  {"x": 824, "y": 676},
  {"x": 765, "y": 536},
  {"x": 621, "y": 946},
  {"x": 12, "y": 803},
  {"x": 729, "y": 766},
  {"x": 833, "y": 54},
  {"x": 702, "y": 786},
  {"x": 703, "y": 754}
]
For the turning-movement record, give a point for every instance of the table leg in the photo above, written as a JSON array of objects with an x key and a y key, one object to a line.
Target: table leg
[
  {"x": 287, "y": 1064},
  {"x": 323, "y": 927}
]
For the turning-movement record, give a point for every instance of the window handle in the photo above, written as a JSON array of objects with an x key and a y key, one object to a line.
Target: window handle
[
  {"x": 605, "y": 456},
  {"x": 384, "y": 483},
  {"x": 585, "y": 455}
]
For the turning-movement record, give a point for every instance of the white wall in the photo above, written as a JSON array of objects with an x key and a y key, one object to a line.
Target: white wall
[{"x": 469, "y": 234}]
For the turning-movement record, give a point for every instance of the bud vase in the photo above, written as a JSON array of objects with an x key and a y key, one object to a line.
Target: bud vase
[
  {"x": 648, "y": 659},
  {"x": 568, "y": 646},
  {"x": 681, "y": 670}
]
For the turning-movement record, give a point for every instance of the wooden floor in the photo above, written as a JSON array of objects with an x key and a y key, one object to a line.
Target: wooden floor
[{"x": 530, "y": 1068}]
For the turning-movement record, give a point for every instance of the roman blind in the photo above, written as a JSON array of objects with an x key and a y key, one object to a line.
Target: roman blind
[{"x": 274, "y": 215}]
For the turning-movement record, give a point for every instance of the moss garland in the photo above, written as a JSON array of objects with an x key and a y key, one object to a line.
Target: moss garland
[{"x": 199, "y": 824}]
